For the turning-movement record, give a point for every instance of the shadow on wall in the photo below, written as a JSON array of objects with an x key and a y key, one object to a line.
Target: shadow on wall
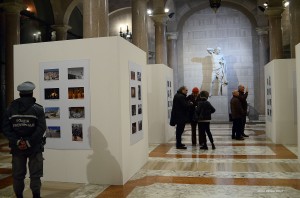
[
  {"x": 252, "y": 113},
  {"x": 206, "y": 71},
  {"x": 102, "y": 165}
]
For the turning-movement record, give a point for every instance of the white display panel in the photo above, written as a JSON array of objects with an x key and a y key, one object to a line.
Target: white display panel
[
  {"x": 136, "y": 102},
  {"x": 65, "y": 96}
]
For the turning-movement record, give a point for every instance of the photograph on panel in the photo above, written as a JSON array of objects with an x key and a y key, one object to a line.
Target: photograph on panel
[
  {"x": 76, "y": 92},
  {"x": 133, "y": 110},
  {"x": 53, "y": 132},
  {"x": 76, "y": 112},
  {"x": 52, "y": 112},
  {"x": 75, "y": 73},
  {"x": 51, "y": 74},
  {"x": 132, "y": 75},
  {"x": 133, "y": 128},
  {"x": 133, "y": 92},
  {"x": 140, "y": 124},
  {"x": 139, "y": 76},
  {"x": 76, "y": 132},
  {"x": 139, "y": 108},
  {"x": 139, "y": 92},
  {"x": 51, "y": 93}
]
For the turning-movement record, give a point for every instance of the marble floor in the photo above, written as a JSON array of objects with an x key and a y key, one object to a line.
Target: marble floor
[{"x": 254, "y": 167}]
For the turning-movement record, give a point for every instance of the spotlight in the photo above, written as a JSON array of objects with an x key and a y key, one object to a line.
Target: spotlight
[
  {"x": 261, "y": 8},
  {"x": 171, "y": 15}
]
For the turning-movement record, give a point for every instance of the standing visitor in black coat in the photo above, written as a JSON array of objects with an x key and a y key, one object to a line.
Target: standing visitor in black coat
[
  {"x": 180, "y": 114},
  {"x": 243, "y": 94},
  {"x": 237, "y": 113}
]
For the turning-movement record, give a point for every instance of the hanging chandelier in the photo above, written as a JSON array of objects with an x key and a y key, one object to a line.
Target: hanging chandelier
[{"x": 215, "y": 4}]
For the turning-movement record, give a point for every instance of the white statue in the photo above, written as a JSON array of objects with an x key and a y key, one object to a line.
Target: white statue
[{"x": 218, "y": 69}]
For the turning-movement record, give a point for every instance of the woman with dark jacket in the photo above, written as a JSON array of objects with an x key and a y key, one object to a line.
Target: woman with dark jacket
[
  {"x": 204, "y": 110},
  {"x": 193, "y": 98},
  {"x": 180, "y": 114}
]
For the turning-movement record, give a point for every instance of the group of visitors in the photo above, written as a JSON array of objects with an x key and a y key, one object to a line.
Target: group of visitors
[{"x": 196, "y": 110}]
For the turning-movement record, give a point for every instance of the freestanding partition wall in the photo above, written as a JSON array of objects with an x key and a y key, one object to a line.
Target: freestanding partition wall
[
  {"x": 298, "y": 94},
  {"x": 280, "y": 100},
  {"x": 118, "y": 149},
  {"x": 160, "y": 98}
]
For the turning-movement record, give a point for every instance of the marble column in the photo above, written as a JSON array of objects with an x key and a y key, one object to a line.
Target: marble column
[
  {"x": 160, "y": 38},
  {"x": 263, "y": 43},
  {"x": 95, "y": 18},
  {"x": 275, "y": 32},
  {"x": 139, "y": 24},
  {"x": 172, "y": 55},
  {"x": 12, "y": 32},
  {"x": 294, "y": 9},
  {"x": 61, "y": 31},
  {"x": 172, "y": 49}
]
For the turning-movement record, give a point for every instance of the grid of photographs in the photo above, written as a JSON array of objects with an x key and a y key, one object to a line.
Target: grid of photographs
[
  {"x": 269, "y": 98},
  {"x": 136, "y": 103},
  {"x": 169, "y": 97},
  {"x": 64, "y": 89}
]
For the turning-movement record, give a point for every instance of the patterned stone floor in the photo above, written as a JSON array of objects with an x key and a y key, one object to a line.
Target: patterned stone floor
[{"x": 254, "y": 167}]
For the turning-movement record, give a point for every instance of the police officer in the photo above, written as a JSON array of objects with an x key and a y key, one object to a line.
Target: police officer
[{"x": 24, "y": 126}]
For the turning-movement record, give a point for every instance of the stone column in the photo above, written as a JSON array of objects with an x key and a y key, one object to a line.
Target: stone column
[
  {"x": 294, "y": 8},
  {"x": 172, "y": 49},
  {"x": 139, "y": 24},
  {"x": 263, "y": 43},
  {"x": 275, "y": 32},
  {"x": 95, "y": 18},
  {"x": 12, "y": 32},
  {"x": 61, "y": 31},
  {"x": 160, "y": 38},
  {"x": 172, "y": 55}
]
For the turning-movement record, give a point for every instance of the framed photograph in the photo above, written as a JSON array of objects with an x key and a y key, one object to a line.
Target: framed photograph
[
  {"x": 139, "y": 76},
  {"x": 133, "y": 92},
  {"x": 139, "y": 92},
  {"x": 76, "y": 112},
  {"x": 51, "y": 93},
  {"x": 51, "y": 74},
  {"x": 139, "y": 108},
  {"x": 77, "y": 132},
  {"x": 75, "y": 73},
  {"x": 133, "y": 128},
  {"x": 53, "y": 132},
  {"x": 133, "y": 110},
  {"x": 52, "y": 112},
  {"x": 132, "y": 74},
  {"x": 76, "y": 92},
  {"x": 140, "y": 125}
]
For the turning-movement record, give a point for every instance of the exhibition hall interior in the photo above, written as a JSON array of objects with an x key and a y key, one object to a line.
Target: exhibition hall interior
[{"x": 106, "y": 73}]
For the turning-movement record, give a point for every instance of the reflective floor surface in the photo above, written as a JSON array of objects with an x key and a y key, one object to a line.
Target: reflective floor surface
[{"x": 254, "y": 167}]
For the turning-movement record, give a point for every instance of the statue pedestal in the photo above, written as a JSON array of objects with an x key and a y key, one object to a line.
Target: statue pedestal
[{"x": 220, "y": 103}]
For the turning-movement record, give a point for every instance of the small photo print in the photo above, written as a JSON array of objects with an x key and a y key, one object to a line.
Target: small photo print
[
  {"x": 132, "y": 75},
  {"x": 168, "y": 83},
  {"x": 133, "y": 128},
  {"x": 75, "y": 73},
  {"x": 51, "y": 93},
  {"x": 76, "y": 92},
  {"x": 76, "y": 112},
  {"x": 76, "y": 132},
  {"x": 139, "y": 92},
  {"x": 139, "y": 76},
  {"x": 169, "y": 113},
  {"x": 52, "y": 113},
  {"x": 133, "y": 92},
  {"x": 133, "y": 110},
  {"x": 51, "y": 74},
  {"x": 53, "y": 132},
  {"x": 140, "y": 124},
  {"x": 139, "y": 108}
]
